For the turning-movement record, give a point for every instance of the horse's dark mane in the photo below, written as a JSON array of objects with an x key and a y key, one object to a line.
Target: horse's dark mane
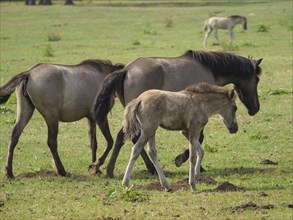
[
  {"x": 236, "y": 16},
  {"x": 97, "y": 62},
  {"x": 223, "y": 63},
  {"x": 206, "y": 88}
]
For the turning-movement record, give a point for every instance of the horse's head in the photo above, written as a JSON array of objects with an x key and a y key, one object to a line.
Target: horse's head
[
  {"x": 244, "y": 23},
  {"x": 247, "y": 89},
  {"x": 228, "y": 114}
]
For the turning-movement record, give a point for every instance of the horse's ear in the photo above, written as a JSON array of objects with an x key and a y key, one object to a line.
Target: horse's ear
[
  {"x": 258, "y": 61},
  {"x": 232, "y": 94}
]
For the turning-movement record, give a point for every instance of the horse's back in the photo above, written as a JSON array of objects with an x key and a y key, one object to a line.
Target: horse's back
[
  {"x": 170, "y": 74},
  {"x": 66, "y": 91}
]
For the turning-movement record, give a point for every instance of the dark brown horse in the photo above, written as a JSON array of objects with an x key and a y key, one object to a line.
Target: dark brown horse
[
  {"x": 63, "y": 93},
  {"x": 175, "y": 74}
]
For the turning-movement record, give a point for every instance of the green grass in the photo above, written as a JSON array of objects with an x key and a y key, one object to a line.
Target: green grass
[{"x": 122, "y": 31}]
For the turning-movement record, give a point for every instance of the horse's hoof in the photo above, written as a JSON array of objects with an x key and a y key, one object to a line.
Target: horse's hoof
[
  {"x": 151, "y": 170},
  {"x": 168, "y": 189},
  {"x": 8, "y": 173},
  {"x": 110, "y": 174},
  {"x": 202, "y": 169},
  {"x": 179, "y": 160},
  {"x": 62, "y": 173},
  {"x": 94, "y": 169}
]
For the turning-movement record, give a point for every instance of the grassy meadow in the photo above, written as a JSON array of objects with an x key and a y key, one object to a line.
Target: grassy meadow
[{"x": 122, "y": 31}]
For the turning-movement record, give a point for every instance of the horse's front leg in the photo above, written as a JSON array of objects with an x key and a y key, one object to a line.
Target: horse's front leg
[
  {"x": 153, "y": 154},
  {"x": 135, "y": 152}
]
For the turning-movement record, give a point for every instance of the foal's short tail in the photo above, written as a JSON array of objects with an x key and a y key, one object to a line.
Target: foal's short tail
[
  {"x": 9, "y": 87},
  {"x": 131, "y": 125}
]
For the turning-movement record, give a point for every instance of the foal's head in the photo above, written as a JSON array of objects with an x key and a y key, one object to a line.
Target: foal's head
[
  {"x": 244, "y": 23},
  {"x": 228, "y": 114}
]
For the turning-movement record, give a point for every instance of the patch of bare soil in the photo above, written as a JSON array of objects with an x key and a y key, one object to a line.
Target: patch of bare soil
[
  {"x": 268, "y": 162},
  {"x": 46, "y": 173},
  {"x": 108, "y": 218},
  {"x": 251, "y": 206},
  {"x": 42, "y": 173},
  {"x": 181, "y": 184},
  {"x": 226, "y": 186}
]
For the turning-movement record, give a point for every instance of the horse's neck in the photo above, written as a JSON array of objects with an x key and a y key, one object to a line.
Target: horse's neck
[{"x": 225, "y": 80}]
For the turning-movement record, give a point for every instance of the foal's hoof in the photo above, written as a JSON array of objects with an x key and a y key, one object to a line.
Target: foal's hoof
[
  {"x": 179, "y": 160},
  {"x": 94, "y": 169}
]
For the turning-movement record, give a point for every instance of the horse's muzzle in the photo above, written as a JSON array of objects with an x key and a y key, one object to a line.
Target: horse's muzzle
[{"x": 233, "y": 129}]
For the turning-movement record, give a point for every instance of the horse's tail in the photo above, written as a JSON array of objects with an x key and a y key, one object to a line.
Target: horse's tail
[
  {"x": 113, "y": 83},
  {"x": 9, "y": 87},
  {"x": 131, "y": 125}
]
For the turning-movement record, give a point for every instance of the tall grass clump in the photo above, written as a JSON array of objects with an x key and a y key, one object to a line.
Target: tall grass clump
[
  {"x": 262, "y": 28},
  {"x": 48, "y": 52},
  {"x": 54, "y": 37}
]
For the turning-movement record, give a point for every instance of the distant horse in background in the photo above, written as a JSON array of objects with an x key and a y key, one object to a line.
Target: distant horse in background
[
  {"x": 215, "y": 23},
  {"x": 187, "y": 111},
  {"x": 175, "y": 74},
  {"x": 63, "y": 93}
]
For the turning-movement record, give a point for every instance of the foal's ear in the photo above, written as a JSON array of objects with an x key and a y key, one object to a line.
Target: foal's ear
[{"x": 232, "y": 94}]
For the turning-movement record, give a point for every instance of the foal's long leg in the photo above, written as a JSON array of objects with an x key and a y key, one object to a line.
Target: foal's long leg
[
  {"x": 25, "y": 110},
  {"x": 153, "y": 154},
  {"x": 135, "y": 152},
  {"x": 52, "y": 143},
  {"x": 181, "y": 158},
  {"x": 196, "y": 155},
  {"x": 216, "y": 36},
  {"x": 206, "y": 36},
  {"x": 231, "y": 36},
  {"x": 117, "y": 147}
]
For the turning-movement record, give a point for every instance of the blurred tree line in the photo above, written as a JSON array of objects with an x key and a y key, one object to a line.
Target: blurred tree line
[{"x": 46, "y": 2}]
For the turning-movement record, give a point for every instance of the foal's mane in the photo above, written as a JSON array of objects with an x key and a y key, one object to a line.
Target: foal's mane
[
  {"x": 236, "y": 16},
  {"x": 206, "y": 88},
  {"x": 224, "y": 64}
]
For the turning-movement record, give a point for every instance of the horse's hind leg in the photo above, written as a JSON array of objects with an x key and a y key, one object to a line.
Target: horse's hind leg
[
  {"x": 52, "y": 143},
  {"x": 25, "y": 110},
  {"x": 104, "y": 127},
  {"x": 153, "y": 154},
  {"x": 117, "y": 147}
]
